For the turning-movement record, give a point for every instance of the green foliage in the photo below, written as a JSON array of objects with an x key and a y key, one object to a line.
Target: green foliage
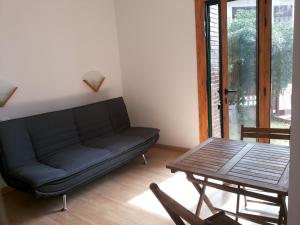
[
  {"x": 242, "y": 44},
  {"x": 282, "y": 56}
]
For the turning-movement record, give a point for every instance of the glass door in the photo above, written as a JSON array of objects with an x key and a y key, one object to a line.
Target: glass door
[
  {"x": 250, "y": 58},
  {"x": 232, "y": 67},
  {"x": 282, "y": 63},
  {"x": 242, "y": 65}
]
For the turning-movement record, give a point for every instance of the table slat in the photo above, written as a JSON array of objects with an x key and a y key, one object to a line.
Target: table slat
[{"x": 258, "y": 165}]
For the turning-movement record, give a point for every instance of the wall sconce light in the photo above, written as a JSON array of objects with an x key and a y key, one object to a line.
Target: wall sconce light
[
  {"x": 94, "y": 80},
  {"x": 7, "y": 90}
]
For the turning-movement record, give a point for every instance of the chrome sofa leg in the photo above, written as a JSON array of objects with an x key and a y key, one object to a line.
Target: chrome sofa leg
[
  {"x": 145, "y": 159},
  {"x": 65, "y": 208}
]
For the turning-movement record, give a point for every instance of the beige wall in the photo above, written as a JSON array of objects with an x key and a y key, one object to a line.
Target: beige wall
[
  {"x": 158, "y": 60},
  {"x": 46, "y": 47},
  {"x": 294, "y": 194}
]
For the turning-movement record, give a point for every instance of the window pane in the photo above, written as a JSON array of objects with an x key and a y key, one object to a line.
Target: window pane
[
  {"x": 282, "y": 64},
  {"x": 242, "y": 65}
]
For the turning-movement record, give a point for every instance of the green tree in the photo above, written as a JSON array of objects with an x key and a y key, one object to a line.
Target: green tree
[
  {"x": 242, "y": 40},
  {"x": 242, "y": 45},
  {"x": 282, "y": 56}
]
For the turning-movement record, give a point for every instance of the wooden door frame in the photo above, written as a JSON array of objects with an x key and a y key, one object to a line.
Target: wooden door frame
[
  {"x": 224, "y": 67},
  {"x": 200, "y": 9},
  {"x": 264, "y": 66},
  {"x": 201, "y": 69}
]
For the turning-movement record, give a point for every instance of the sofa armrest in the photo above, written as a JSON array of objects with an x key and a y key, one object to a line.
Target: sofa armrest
[{"x": 37, "y": 174}]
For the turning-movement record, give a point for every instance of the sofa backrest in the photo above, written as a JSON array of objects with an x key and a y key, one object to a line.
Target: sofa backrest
[
  {"x": 118, "y": 114},
  {"x": 37, "y": 137},
  {"x": 52, "y": 132},
  {"x": 92, "y": 121}
]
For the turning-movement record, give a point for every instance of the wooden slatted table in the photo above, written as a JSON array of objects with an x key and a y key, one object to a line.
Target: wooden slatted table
[{"x": 243, "y": 165}]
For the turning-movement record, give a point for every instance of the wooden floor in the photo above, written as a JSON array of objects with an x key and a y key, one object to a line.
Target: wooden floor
[{"x": 120, "y": 198}]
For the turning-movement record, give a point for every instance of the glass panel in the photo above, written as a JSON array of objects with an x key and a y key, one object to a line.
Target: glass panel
[
  {"x": 214, "y": 69},
  {"x": 282, "y": 64},
  {"x": 242, "y": 65}
]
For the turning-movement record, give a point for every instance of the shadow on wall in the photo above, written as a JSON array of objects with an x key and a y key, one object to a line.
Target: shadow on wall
[{"x": 28, "y": 108}]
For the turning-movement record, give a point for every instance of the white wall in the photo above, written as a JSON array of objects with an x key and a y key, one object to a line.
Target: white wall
[
  {"x": 46, "y": 47},
  {"x": 294, "y": 194},
  {"x": 158, "y": 60}
]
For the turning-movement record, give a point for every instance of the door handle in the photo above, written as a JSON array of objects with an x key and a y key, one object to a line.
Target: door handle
[{"x": 230, "y": 91}]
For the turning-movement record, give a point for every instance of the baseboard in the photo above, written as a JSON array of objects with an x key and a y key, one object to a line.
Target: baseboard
[{"x": 170, "y": 147}]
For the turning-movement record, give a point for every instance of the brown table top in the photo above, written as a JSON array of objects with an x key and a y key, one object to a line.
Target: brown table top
[{"x": 257, "y": 165}]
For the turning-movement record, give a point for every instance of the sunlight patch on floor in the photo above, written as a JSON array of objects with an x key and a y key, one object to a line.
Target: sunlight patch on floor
[
  {"x": 176, "y": 187},
  {"x": 184, "y": 192}
]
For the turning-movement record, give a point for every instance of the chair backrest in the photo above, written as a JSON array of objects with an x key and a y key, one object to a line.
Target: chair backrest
[
  {"x": 176, "y": 211},
  {"x": 268, "y": 133}
]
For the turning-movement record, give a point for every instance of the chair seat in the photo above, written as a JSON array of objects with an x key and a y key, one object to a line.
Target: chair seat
[{"x": 220, "y": 219}]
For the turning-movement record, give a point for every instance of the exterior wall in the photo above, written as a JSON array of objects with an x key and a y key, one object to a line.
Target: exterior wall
[
  {"x": 252, "y": 3},
  {"x": 215, "y": 70}
]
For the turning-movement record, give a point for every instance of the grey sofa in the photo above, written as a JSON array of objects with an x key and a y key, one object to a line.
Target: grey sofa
[{"x": 54, "y": 153}]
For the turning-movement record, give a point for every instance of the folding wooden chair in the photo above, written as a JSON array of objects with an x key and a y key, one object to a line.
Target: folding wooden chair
[
  {"x": 179, "y": 214},
  {"x": 266, "y": 133}
]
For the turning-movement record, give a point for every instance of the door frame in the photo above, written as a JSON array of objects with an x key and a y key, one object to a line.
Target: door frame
[
  {"x": 201, "y": 69},
  {"x": 224, "y": 68},
  {"x": 264, "y": 66}
]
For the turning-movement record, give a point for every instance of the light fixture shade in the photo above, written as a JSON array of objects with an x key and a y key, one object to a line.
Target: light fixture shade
[
  {"x": 94, "y": 80},
  {"x": 6, "y": 91}
]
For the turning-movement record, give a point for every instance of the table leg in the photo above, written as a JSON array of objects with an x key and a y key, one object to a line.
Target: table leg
[
  {"x": 284, "y": 209},
  {"x": 201, "y": 198},
  {"x": 205, "y": 198},
  {"x": 238, "y": 203},
  {"x": 280, "y": 217},
  {"x": 200, "y": 186}
]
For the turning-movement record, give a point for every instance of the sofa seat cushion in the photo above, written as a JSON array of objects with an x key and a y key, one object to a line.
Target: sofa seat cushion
[
  {"x": 143, "y": 132},
  {"x": 77, "y": 158},
  {"x": 37, "y": 174},
  {"x": 72, "y": 182},
  {"x": 116, "y": 143}
]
